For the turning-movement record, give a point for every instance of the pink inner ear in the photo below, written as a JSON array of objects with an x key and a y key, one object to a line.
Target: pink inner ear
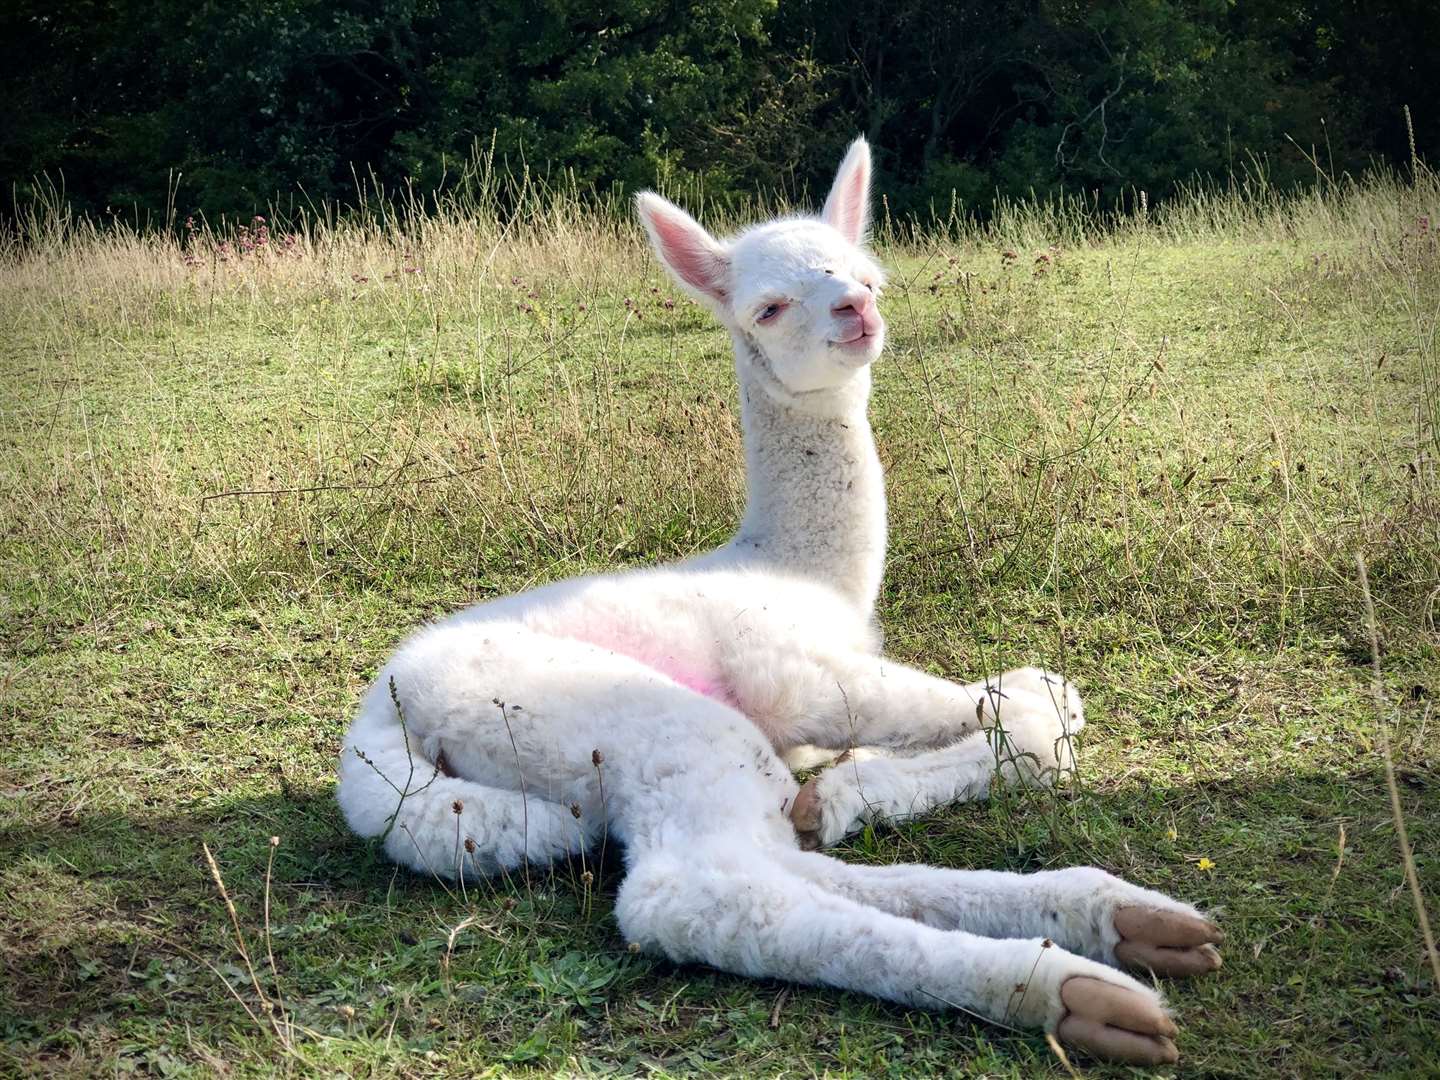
[
  {"x": 689, "y": 253},
  {"x": 851, "y": 207},
  {"x": 847, "y": 206}
]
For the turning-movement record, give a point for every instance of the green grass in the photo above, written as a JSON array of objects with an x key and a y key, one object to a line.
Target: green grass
[{"x": 1150, "y": 457}]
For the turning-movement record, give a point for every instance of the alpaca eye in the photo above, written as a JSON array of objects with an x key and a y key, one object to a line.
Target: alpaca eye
[
  {"x": 771, "y": 310},
  {"x": 870, "y": 286}
]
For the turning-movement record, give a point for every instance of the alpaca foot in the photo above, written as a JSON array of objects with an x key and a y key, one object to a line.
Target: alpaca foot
[
  {"x": 1128, "y": 926},
  {"x": 1093, "y": 1008},
  {"x": 1170, "y": 943},
  {"x": 1053, "y": 689},
  {"x": 819, "y": 821},
  {"x": 1115, "y": 1023},
  {"x": 807, "y": 817}
]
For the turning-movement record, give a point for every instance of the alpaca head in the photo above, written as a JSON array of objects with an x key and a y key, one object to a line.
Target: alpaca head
[{"x": 801, "y": 290}]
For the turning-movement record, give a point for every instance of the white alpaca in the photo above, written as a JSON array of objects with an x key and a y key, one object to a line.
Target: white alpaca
[{"x": 658, "y": 706}]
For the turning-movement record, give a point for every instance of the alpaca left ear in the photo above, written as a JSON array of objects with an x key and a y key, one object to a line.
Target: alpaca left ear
[{"x": 847, "y": 208}]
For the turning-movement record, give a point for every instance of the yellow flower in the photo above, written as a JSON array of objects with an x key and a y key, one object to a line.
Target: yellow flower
[
  {"x": 1205, "y": 864},
  {"x": 1170, "y": 833}
]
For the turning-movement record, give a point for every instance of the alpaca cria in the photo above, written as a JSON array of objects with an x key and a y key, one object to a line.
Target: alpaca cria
[{"x": 662, "y": 704}]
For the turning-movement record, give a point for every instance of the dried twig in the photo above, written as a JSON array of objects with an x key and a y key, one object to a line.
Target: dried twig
[
  {"x": 970, "y": 1012},
  {"x": 1406, "y": 855},
  {"x": 1059, "y": 1052},
  {"x": 524, "y": 799},
  {"x": 459, "y": 928},
  {"x": 597, "y": 759},
  {"x": 393, "y": 481},
  {"x": 269, "y": 946},
  {"x": 405, "y": 792},
  {"x": 780, "y": 1000},
  {"x": 266, "y": 1005}
]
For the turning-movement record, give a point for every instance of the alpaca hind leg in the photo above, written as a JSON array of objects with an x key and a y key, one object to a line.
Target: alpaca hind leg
[
  {"x": 1030, "y": 743},
  {"x": 1083, "y": 908},
  {"x": 552, "y": 743},
  {"x": 733, "y": 906},
  {"x": 443, "y": 825},
  {"x": 485, "y": 831}
]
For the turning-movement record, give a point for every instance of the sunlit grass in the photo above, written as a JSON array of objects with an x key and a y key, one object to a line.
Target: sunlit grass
[{"x": 1144, "y": 449}]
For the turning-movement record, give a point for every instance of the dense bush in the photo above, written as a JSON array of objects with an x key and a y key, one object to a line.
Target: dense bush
[{"x": 243, "y": 102}]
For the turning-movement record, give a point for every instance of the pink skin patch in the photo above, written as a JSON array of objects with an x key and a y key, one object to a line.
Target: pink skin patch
[
  {"x": 653, "y": 655},
  {"x": 698, "y": 681}
]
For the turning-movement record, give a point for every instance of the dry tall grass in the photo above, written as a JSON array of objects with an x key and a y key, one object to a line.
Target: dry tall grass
[
  {"x": 237, "y": 465},
  {"x": 398, "y": 386}
]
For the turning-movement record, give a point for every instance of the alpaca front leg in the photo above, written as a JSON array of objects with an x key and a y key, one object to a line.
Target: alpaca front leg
[
  {"x": 738, "y": 908},
  {"x": 860, "y": 700},
  {"x": 1030, "y": 743}
]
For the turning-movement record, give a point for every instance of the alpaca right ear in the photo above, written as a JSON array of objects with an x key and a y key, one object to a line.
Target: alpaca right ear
[
  {"x": 847, "y": 208},
  {"x": 693, "y": 257}
]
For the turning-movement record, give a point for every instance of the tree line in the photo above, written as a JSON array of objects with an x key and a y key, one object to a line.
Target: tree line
[{"x": 249, "y": 101}]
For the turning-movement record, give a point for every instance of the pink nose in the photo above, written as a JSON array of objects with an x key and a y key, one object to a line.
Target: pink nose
[
  {"x": 861, "y": 305},
  {"x": 856, "y": 303}
]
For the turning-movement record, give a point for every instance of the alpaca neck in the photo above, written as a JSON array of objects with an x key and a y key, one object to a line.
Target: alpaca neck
[{"x": 815, "y": 505}]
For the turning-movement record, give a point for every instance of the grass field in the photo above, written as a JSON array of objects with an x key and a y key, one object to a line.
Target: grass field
[{"x": 1147, "y": 451}]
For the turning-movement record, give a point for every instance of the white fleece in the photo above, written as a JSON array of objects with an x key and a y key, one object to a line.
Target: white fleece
[{"x": 653, "y": 707}]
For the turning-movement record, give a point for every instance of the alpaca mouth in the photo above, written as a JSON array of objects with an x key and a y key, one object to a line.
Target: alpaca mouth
[{"x": 859, "y": 341}]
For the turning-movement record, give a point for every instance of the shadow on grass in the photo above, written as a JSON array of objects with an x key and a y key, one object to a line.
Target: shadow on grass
[{"x": 134, "y": 915}]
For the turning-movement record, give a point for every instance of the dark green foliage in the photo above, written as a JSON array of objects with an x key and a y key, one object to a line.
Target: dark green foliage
[{"x": 304, "y": 101}]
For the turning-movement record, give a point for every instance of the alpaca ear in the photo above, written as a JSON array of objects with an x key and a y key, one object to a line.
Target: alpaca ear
[
  {"x": 847, "y": 208},
  {"x": 693, "y": 257}
]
